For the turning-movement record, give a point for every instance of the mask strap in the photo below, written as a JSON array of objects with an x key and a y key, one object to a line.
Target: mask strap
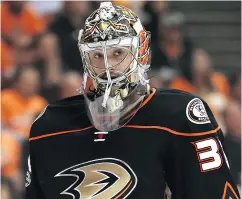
[
  {"x": 84, "y": 83},
  {"x": 106, "y": 94}
]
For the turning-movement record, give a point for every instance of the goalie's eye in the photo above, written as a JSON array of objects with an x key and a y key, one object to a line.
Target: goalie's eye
[
  {"x": 118, "y": 52},
  {"x": 98, "y": 55}
]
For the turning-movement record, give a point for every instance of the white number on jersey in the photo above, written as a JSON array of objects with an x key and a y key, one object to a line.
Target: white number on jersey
[{"x": 208, "y": 154}]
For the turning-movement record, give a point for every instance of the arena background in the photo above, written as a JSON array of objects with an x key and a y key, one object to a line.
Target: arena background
[{"x": 196, "y": 47}]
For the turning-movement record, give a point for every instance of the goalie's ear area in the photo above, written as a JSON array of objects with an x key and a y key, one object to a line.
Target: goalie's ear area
[{"x": 200, "y": 117}]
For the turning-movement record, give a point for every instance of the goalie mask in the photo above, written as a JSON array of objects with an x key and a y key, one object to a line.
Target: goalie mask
[{"x": 116, "y": 57}]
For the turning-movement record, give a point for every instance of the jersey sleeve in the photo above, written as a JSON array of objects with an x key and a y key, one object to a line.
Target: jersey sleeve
[
  {"x": 33, "y": 189},
  {"x": 32, "y": 183},
  {"x": 197, "y": 165}
]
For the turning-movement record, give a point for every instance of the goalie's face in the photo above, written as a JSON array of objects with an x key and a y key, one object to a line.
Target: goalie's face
[
  {"x": 112, "y": 61},
  {"x": 113, "y": 68}
]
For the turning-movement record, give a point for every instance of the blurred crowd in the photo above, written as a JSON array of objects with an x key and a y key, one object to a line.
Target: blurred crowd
[{"x": 40, "y": 63}]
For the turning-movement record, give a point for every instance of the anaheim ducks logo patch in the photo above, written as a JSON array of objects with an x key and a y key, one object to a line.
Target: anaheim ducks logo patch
[
  {"x": 98, "y": 179},
  {"x": 196, "y": 112}
]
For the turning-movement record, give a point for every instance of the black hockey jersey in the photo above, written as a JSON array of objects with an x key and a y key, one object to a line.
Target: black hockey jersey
[{"x": 172, "y": 140}]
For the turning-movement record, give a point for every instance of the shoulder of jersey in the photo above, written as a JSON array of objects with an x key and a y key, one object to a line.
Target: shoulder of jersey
[
  {"x": 56, "y": 115},
  {"x": 172, "y": 101},
  {"x": 178, "y": 110}
]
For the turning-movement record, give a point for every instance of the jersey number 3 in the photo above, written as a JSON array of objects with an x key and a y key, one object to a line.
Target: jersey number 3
[{"x": 208, "y": 154}]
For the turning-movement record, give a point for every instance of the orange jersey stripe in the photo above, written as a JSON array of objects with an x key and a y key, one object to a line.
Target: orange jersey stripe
[
  {"x": 173, "y": 131},
  {"x": 149, "y": 98},
  {"x": 228, "y": 185},
  {"x": 131, "y": 126},
  {"x": 59, "y": 133},
  {"x": 124, "y": 190}
]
